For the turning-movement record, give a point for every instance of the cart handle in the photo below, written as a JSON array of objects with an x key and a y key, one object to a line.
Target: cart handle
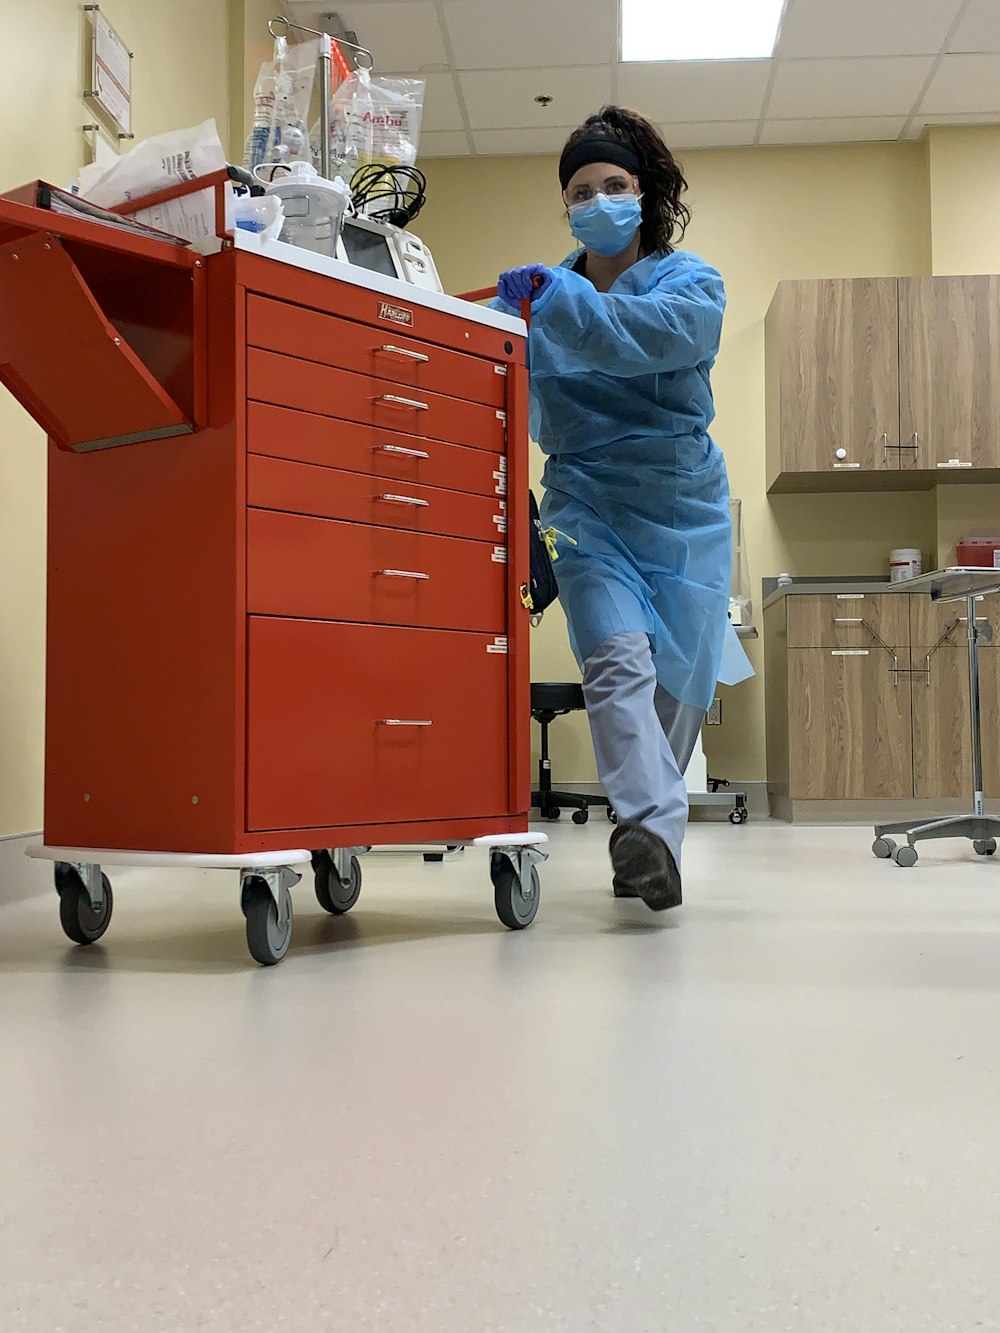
[
  {"x": 214, "y": 180},
  {"x": 488, "y": 293}
]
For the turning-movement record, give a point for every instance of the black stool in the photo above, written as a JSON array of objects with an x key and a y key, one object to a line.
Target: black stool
[{"x": 549, "y": 701}]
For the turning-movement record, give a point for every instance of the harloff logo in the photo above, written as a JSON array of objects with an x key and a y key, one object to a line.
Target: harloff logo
[{"x": 395, "y": 314}]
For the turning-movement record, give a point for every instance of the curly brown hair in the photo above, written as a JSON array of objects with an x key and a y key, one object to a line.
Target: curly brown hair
[{"x": 664, "y": 217}]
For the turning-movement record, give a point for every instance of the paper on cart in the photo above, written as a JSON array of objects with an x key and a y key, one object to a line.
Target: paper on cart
[{"x": 155, "y": 164}]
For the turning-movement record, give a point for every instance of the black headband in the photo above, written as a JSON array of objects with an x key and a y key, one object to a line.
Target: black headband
[{"x": 597, "y": 150}]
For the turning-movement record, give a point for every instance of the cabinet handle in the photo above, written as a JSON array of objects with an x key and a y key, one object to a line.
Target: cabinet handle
[
  {"x": 401, "y": 574},
  {"x": 954, "y": 463},
  {"x": 401, "y": 722},
  {"x": 849, "y": 652},
  {"x": 403, "y": 351},
  {"x": 404, "y": 500},
  {"x": 395, "y": 401},
  {"x": 885, "y": 447},
  {"x": 915, "y": 446},
  {"x": 400, "y": 451},
  {"x": 848, "y": 620}
]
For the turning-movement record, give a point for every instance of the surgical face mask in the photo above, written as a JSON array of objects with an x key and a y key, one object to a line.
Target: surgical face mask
[{"x": 606, "y": 225}]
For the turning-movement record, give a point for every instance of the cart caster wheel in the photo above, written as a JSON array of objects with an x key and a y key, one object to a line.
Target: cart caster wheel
[
  {"x": 515, "y": 908},
  {"x": 267, "y": 938},
  {"x": 905, "y": 856},
  {"x": 77, "y": 917},
  {"x": 581, "y": 816},
  {"x": 333, "y": 896},
  {"x": 612, "y": 816},
  {"x": 740, "y": 815},
  {"x": 985, "y": 847},
  {"x": 883, "y": 848}
]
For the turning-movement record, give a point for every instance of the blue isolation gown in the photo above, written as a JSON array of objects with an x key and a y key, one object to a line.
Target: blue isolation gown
[{"x": 621, "y": 404}]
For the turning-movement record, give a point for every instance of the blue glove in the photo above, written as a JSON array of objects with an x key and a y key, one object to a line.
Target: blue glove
[{"x": 519, "y": 284}]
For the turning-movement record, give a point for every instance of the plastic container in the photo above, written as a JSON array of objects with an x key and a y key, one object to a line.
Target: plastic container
[
  {"x": 978, "y": 552},
  {"x": 314, "y": 208},
  {"x": 905, "y": 563}
]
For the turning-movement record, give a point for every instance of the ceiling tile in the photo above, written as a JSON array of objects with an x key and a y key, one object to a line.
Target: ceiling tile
[
  {"x": 979, "y": 29},
  {"x": 521, "y": 34},
  {"x": 506, "y": 100},
  {"x": 688, "y": 91},
  {"x": 443, "y": 143},
  {"x": 839, "y": 88},
  {"x": 710, "y": 134},
  {"x": 964, "y": 83},
  {"x": 403, "y": 35},
  {"x": 851, "y": 129},
  {"x": 441, "y": 107},
  {"x": 516, "y": 143},
  {"x": 866, "y": 27}
]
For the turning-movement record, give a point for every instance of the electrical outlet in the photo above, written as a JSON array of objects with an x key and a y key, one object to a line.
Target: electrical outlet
[{"x": 714, "y": 716}]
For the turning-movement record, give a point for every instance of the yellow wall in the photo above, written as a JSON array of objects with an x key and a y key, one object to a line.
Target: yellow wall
[
  {"x": 760, "y": 216},
  {"x": 180, "y": 77},
  {"x": 964, "y": 178}
]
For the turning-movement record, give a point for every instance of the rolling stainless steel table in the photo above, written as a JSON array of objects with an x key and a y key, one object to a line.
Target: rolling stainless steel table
[{"x": 952, "y": 585}]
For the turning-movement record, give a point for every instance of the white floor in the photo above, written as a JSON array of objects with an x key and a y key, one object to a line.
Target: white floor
[{"x": 778, "y": 1109}]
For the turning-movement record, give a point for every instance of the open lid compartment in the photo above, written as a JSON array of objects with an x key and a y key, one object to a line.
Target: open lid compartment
[{"x": 102, "y": 332}]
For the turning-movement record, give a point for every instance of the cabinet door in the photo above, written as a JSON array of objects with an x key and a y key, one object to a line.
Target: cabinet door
[
  {"x": 836, "y": 343},
  {"x": 949, "y": 372},
  {"x": 849, "y": 725},
  {"x": 942, "y": 736}
]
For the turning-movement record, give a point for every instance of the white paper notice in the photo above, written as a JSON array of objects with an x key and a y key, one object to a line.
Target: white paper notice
[{"x": 112, "y": 73}]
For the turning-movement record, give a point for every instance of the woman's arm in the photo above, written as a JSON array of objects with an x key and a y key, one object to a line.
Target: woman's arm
[{"x": 676, "y": 326}]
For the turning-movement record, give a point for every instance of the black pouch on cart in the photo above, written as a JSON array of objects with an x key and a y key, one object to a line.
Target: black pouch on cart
[{"x": 542, "y": 591}]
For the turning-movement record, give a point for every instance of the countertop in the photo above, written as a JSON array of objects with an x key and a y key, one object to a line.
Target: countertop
[{"x": 919, "y": 587}]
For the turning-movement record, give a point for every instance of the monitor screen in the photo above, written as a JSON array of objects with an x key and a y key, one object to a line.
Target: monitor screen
[{"x": 368, "y": 250}]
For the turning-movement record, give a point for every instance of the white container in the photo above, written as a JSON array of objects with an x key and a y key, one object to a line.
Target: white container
[
  {"x": 905, "y": 563},
  {"x": 314, "y": 208}
]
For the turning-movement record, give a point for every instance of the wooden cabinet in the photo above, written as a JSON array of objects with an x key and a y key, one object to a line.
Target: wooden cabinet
[
  {"x": 833, "y": 376},
  {"x": 882, "y": 383},
  {"x": 949, "y": 373},
  {"x": 852, "y": 739},
  {"x": 874, "y": 704}
]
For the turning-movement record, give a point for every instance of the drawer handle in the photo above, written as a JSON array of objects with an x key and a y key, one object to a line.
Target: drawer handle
[
  {"x": 848, "y": 652},
  {"x": 404, "y": 351},
  {"x": 404, "y": 500},
  {"x": 401, "y": 574},
  {"x": 401, "y": 722},
  {"x": 400, "y": 451},
  {"x": 395, "y": 401},
  {"x": 848, "y": 620}
]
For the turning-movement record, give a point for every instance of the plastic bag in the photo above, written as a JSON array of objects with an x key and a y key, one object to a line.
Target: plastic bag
[
  {"x": 373, "y": 119},
  {"x": 155, "y": 164},
  {"x": 264, "y": 216},
  {"x": 281, "y": 96}
]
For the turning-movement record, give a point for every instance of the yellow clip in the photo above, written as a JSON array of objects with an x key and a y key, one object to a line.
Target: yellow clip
[
  {"x": 526, "y": 599},
  {"x": 551, "y": 543}
]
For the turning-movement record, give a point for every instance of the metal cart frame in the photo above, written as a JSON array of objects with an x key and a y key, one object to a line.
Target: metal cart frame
[{"x": 952, "y": 585}]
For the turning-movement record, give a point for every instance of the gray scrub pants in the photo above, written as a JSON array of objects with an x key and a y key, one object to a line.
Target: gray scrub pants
[{"x": 643, "y": 738}]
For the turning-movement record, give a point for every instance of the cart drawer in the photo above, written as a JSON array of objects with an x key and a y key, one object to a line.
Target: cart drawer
[
  {"x": 847, "y": 620},
  {"x": 311, "y": 335},
  {"x": 304, "y": 437},
  {"x": 356, "y": 724},
  {"x": 376, "y": 402},
  {"x": 322, "y": 570},
  {"x": 300, "y": 488}
]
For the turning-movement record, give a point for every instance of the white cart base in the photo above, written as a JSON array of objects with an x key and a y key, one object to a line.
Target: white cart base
[{"x": 266, "y": 879}]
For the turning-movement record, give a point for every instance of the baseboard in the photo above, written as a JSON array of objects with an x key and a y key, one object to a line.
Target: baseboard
[
  {"x": 872, "y": 812},
  {"x": 20, "y": 878},
  {"x": 756, "y": 794}
]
